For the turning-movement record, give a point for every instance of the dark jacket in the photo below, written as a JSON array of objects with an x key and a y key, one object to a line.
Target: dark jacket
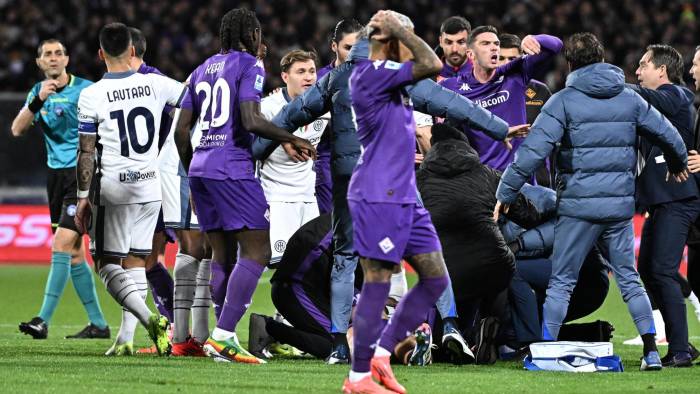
[
  {"x": 596, "y": 119},
  {"x": 331, "y": 93},
  {"x": 537, "y": 241},
  {"x": 676, "y": 104},
  {"x": 458, "y": 191}
]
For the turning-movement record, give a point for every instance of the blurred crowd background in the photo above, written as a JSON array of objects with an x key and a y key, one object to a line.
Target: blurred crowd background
[{"x": 182, "y": 33}]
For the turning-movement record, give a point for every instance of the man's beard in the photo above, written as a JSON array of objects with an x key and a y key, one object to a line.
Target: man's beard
[{"x": 461, "y": 61}]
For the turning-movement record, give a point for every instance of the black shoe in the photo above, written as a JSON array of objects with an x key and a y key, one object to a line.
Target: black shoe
[
  {"x": 694, "y": 353},
  {"x": 486, "y": 349},
  {"x": 340, "y": 354},
  {"x": 36, "y": 327},
  {"x": 258, "y": 338},
  {"x": 677, "y": 360},
  {"x": 91, "y": 331}
]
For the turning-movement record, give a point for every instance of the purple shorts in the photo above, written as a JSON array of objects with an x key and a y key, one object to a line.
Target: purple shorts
[
  {"x": 229, "y": 204},
  {"x": 390, "y": 232}
]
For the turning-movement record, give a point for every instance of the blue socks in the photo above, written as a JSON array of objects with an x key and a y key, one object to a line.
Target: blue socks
[
  {"x": 55, "y": 284},
  {"x": 84, "y": 284}
]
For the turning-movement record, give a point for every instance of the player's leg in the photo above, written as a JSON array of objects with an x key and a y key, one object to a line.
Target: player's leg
[
  {"x": 69, "y": 239},
  {"x": 222, "y": 255},
  {"x": 309, "y": 330},
  {"x": 60, "y": 269},
  {"x": 618, "y": 241},
  {"x": 573, "y": 239},
  {"x": 187, "y": 264},
  {"x": 110, "y": 241},
  {"x": 672, "y": 222},
  {"x": 343, "y": 273},
  {"x": 202, "y": 295},
  {"x": 159, "y": 279}
]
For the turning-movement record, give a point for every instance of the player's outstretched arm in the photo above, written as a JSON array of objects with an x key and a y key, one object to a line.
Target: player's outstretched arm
[
  {"x": 85, "y": 169},
  {"x": 254, "y": 121},
  {"x": 182, "y": 137}
]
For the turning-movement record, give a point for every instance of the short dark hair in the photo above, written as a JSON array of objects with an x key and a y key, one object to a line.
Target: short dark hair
[
  {"x": 115, "y": 38},
  {"x": 455, "y": 24},
  {"x": 446, "y": 131},
  {"x": 583, "y": 49},
  {"x": 666, "y": 55},
  {"x": 479, "y": 30},
  {"x": 138, "y": 40},
  {"x": 40, "y": 48},
  {"x": 294, "y": 56},
  {"x": 345, "y": 27},
  {"x": 237, "y": 28},
  {"x": 509, "y": 41}
]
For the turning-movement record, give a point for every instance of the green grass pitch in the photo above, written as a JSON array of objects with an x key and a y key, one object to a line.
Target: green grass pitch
[{"x": 70, "y": 366}]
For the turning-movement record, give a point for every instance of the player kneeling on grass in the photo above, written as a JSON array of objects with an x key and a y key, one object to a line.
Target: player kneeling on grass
[{"x": 122, "y": 111}]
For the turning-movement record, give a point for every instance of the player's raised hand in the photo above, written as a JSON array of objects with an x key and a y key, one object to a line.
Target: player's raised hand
[
  {"x": 519, "y": 131},
  {"x": 387, "y": 25},
  {"x": 83, "y": 215},
  {"x": 48, "y": 87},
  {"x": 530, "y": 45}
]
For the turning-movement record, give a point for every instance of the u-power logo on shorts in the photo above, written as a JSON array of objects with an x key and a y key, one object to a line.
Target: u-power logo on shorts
[{"x": 136, "y": 176}]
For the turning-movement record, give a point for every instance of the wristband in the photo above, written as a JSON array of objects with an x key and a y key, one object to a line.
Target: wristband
[
  {"x": 83, "y": 193},
  {"x": 35, "y": 105}
]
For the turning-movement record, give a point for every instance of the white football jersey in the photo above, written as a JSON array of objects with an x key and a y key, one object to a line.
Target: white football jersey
[
  {"x": 169, "y": 158},
  {"x": 124, "y": 110},
  {"x": 282, "y": 179},
  {"x": 421, "y": 119}
]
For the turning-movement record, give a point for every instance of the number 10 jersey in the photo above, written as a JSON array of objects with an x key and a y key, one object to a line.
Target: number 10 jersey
[
  {"x": 216, "y": 89},
  {"x": 124, "y": 111}
]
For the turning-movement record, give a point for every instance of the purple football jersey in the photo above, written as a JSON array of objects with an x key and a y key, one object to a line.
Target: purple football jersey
[
  {"x": 216, "y": 89},
  {"x": 386, "y": 130},
  {"x": 451, "y": 72},
  {"x": 324, "y": 70},
  {"x": 504, "y": 96}
]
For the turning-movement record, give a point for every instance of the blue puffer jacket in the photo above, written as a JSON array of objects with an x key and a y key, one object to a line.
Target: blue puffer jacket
[
  {"x": 596, "y": 119},
  {"x": 331, "y": 93},
  {"x": 537, "y": 241}
]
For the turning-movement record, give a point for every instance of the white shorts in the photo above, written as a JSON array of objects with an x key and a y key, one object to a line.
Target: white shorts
[
  {"x": 118, "y": 230},
  {"x": 177, "y": 211},
  {"x": 285, "y": 220}
]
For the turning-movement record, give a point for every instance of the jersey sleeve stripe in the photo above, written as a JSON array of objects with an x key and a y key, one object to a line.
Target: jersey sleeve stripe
[
  {"x": 182, "y": 97},
  {"x": 87, "y": 127}
]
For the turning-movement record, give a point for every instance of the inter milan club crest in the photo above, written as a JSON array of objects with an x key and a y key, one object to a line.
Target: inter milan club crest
[
  {"x": 318, "y": 125},
  {"x": 280, "y": 246}
]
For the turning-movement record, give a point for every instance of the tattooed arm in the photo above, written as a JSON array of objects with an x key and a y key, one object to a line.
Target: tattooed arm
[{"x": 85, "y": 169}]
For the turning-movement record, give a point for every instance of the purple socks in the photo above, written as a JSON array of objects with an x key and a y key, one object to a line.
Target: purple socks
[
  {"x": 239, "y": 293},
  {"x": 162, "y": 288},
  {"x": 367, "y": 323},
  {"x": 412, "y": 311},
  {"x": 217, "y": 285}
]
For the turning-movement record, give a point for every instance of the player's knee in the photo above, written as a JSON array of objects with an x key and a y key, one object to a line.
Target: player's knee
[{"x": 66, "y": 241}]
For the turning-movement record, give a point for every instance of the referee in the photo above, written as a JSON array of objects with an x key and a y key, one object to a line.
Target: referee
[{"x": 52, "y": 106}]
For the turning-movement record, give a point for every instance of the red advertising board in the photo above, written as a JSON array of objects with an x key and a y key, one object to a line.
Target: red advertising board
[{"x": 25, "y": 236}]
